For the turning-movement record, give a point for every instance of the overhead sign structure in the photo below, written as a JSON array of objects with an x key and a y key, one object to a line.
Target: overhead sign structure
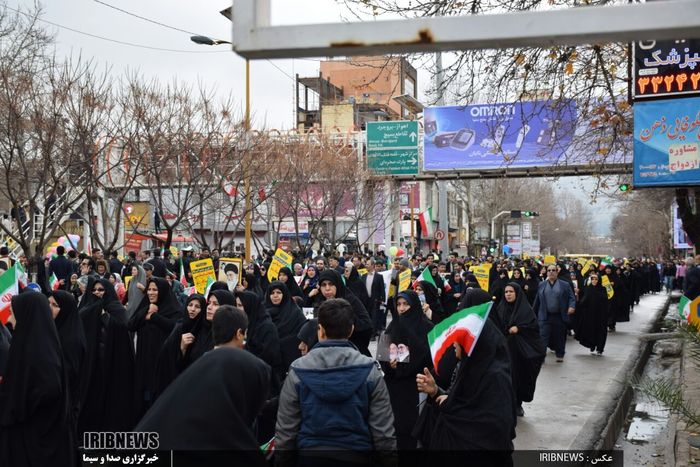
[
  {"x": 668, "y": 68},
  {"x": 392, "y": 147},
  {"x": 497, "y": 136},
  {"x": 667, "y": 142}
]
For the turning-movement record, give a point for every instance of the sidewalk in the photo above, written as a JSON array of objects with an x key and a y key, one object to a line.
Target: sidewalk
[{"x": 575, "y": 399}]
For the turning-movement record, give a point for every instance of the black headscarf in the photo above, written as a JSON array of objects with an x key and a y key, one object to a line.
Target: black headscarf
[
  {"x": 287, "y": 316},
  {"x": 433, "y": 300},
  {"x": 262, "y": 339},
  {"x": 473, "y": 297},
  {"x": 5, "y": 339},
  {"x": 357, "y": 287},
  {"x": 208, "y": 408},
  {"x": 520, "y": 280},
  {"x": 150, "y": 337},
  {"x": 309, "y": 333},
  {"x": 532, "y": 285},
  {"x": 252, "y": 283},
  {"x": 526, "y": 350},
  {"x": 292, "y": 286},
  {"x": 73, "y": 345},
  {"x": 479, "y": 413},
  {"x": 362, "y": 320},
  {"x": 411, "y": 329},
  {"x": 496, "y": 289},
  {"x": 171, "y": 362},
  {"x": 224, "y": 297},
  {"x": 35, "y": 413},
  {"x": 109, "y": 384}
]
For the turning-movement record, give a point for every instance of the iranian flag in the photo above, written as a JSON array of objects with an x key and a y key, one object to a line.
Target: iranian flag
[
  {"x": 425, "y": 276},
  {"x": 183, "y": 276},
  {"x": 190, "y": 290},
  {"x": 688, "y": 309},
  {"x": 426, "y": 223},
  {"x": 21, "y": 274},
  {"x": 607, "y": 261},
  {"x": 8, "y": 289},
  {"x": 207, "y": 289},
  {"x": 462, "y": 327},
  {"x": 53, "y": 282}
]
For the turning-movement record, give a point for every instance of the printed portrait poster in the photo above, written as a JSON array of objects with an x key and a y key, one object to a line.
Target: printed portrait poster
[
  {"x": 388, "y": 351},
  {"x": 231, "y": 272}
]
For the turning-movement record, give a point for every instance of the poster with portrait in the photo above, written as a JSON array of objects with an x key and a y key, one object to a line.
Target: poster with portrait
[
  {"x": 388, "y": 351},
  {"x": 231, "y": 272}
]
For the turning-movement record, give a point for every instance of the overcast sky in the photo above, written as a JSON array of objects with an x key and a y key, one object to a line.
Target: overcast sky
[{"x": 272, "y": 82}]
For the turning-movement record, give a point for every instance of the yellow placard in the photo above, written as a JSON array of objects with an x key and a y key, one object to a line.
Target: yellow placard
[
  {"x": 510, "y": 274},
  {"x": 525, "y": 256},
  {"x": 587, "y": 267},
  {"x": 482, "y": 275},
  {"x": 582, "y": 261},
  {"x": 404, "y": 280},
  {"x": 127, "y": 279},
  {"x": 608, "y": 287},
  {"x": 202, "y": 270},
  {"x": 231, "y": 271},
  {"x": 280, "y": 260},
  {"x": 549, "y": 259},
  {"x": 362, "y": 271}
]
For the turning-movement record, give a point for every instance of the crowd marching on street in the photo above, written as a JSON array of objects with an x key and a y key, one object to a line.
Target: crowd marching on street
[{"x": 287, "y": 363}]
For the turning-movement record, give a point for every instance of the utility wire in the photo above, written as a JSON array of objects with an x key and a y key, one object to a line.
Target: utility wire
[
  {"x": 116, "y": 41},
  {"x": 146, "y": 19},
  {"x": 182, "y": 30}
]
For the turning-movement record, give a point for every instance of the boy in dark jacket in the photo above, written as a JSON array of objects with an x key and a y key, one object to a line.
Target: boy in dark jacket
[{"x": 334, "y": 398}]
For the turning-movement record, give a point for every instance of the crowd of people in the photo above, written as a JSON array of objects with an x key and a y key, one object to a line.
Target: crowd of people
[{"x": 244, "y": 364}]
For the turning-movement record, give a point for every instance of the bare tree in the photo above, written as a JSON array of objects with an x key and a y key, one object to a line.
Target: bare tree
[
  {"x": 643, "y": 224},
  {"x": 50, "y": 115},
  {"x": 178, "y": 139}
]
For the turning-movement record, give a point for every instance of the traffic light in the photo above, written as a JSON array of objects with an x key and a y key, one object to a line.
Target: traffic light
[
  {"x": 531, "y": 214},
  {"x": 515, "y": 214},
  {"x": 492, "y": 247},
  {"x": 625, "y": 187}
]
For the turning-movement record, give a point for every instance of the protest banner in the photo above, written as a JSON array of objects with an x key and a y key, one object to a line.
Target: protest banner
[
  {"x": 608, "y": 287},
  {"x": 201, "y": 271},
  {"x": 280, "y": 260},
  {"x": 404, "y": 280},
  {"x": 482, "y": 275},
  {"x": 231, "y": 272}
]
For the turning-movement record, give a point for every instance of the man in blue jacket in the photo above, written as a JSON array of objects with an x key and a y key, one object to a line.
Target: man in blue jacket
[
  {"x": 334, "y": 398},
  {"x": 554, "y": 302}
]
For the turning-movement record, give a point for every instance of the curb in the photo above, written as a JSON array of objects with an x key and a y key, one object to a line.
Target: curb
[{"x": 601, "y": 434}]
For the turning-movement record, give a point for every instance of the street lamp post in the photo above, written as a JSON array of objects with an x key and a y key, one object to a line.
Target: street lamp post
[{"x": 204, "y": 40}]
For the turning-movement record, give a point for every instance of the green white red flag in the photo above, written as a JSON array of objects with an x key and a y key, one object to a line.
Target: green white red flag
[
  {"x": 463, "y": 327},
  {"x": 425, "y": 276},
  {"x": 210, "y": 282},
  {"x": 8, "y": 289},
  {"x": 183, "y": 276},
  {"x": 688, "y": 309},
  {"x": 607, "y": 261},
  {"x": 21, "y": 274},
  {"x": 426, "y": 223},
  {"x": 54, "y": 284}
]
